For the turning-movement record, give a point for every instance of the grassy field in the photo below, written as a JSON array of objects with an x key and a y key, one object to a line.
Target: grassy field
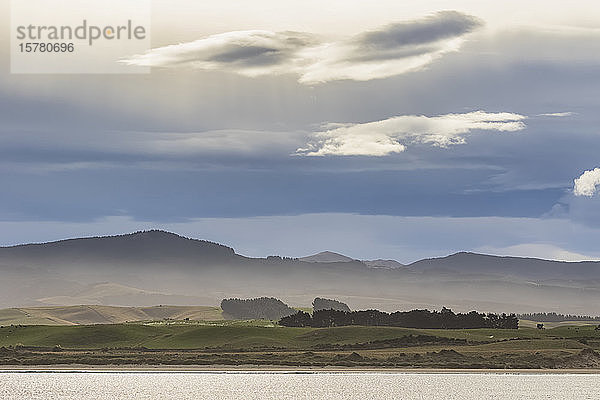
[
  {"x": 532, "y": 324},
  {"x": 96, "y": 314},
  {"x": 266, "y": 334},
  {"x": 262, "y": 343}
]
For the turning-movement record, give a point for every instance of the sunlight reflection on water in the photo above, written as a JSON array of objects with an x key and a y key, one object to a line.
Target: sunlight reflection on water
[{"x": 278, "y": 385}]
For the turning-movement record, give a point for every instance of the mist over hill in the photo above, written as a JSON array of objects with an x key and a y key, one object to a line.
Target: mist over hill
[
  {"x": 157, "y": 267},
  {"x": 326, "y": 257}
]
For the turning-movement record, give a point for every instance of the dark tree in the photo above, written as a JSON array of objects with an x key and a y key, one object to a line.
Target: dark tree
[
  {"x": 554, "y": 317},
  {"x": 423, "y": 319},
  {"x": 260, "y": 308},
  {"x": 300, "y": 319},
  {"x": 328, "y": 304}
]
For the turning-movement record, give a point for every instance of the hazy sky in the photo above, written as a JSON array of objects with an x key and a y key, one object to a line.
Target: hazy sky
[{"x": 394, "y": 130}]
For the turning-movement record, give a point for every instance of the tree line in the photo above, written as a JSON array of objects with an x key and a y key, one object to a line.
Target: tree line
[
  {"x": 423, "y": 319},
  {"x": 554, "y": 317},
  {"x": 320, "y": 303},
  {"x": 260, "y": 308}
]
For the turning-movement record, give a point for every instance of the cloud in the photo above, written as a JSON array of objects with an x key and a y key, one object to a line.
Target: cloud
[
  {"x": 150, "y": 145},
  {"x": 237, "y": 142},
  {"x": 557, "y": 114},
  {"x": 392, "y": 135},
  {"x": 440, "y": 26},
  {"x": 391, "y": 50},
  {"x": 586, "y": 184},
  {"x": 250, "y": 53}
]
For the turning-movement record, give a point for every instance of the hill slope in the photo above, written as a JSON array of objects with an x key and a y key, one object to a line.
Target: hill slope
[
  {"x": 155, "y": 267},
  {"x": 530, "y": 268},
  {"x": 326, "y": 257},
  {"x": 94, "y": 314},
  {"x": 153, "y": 248}
]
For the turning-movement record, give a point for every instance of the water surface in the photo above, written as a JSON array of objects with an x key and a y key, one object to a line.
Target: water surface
[{"x": 288, "y": 385}]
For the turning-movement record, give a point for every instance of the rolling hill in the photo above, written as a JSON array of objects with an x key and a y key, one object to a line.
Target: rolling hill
[
  {"x": 93, "y": 314},
  {"x": 157, "y": 267},
  {"x": 326, "y": 257}
]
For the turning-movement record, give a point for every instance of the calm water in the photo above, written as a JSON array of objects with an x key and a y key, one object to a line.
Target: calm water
[{"x": 233, "y": 385}]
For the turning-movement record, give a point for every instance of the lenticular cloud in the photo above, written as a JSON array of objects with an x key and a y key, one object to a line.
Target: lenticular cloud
[
  {"x": 387, "y": 51},
  {"x": 393, "y": 135}
]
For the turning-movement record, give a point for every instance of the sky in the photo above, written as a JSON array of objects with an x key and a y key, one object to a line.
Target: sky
[{"x": 397, "y": 130}]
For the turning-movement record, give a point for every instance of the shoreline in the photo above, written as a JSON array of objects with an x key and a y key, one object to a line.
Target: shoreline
[{"x": 80, "y": 368}]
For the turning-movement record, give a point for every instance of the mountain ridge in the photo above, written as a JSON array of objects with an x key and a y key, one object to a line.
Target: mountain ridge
[
  {"x": 326, "y": 257},
  {"x": 158, "y": 233},
  {"x": 157, "y": 266}
]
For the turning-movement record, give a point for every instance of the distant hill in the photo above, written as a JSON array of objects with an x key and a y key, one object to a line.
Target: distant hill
[
  {"x": 156, "y": 267},
  {"x": 326, "y": 257},
  {"x": 153, "y": 248},
  {"x": 329, "y": 256},
  {"x": 94, "y": 314},
  {"x": 531, "y": 268},
  {"x": 117, "y": 294},
  {"x": 383, "y": 264}
]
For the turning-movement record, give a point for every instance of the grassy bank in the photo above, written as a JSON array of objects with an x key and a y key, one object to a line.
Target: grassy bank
[
  {"x": 265, "y": 334},
  {"x": 263, "y": 343}
]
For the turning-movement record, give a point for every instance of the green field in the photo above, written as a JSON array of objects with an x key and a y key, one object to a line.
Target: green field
[
  {"x": 532, "y": 324},
  {"x": 264, "y": 343},
  {"x": 261, "y": 334}
]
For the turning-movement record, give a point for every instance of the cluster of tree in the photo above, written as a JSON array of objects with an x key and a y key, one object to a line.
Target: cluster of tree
[
  {"x": 554, "y": 317},
  {"x": 424, "y": 319},
  {"x": 260, "y": 308},
  {"x": 328, "y": 304}
]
